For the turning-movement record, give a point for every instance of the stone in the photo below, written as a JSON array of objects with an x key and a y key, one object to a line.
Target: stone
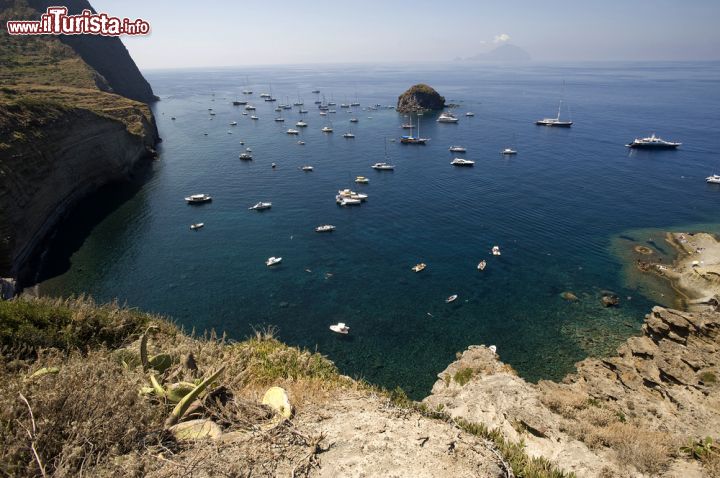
[{"x": 277, "y": 399}]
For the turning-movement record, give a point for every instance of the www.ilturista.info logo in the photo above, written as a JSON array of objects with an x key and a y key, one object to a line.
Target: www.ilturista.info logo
[{"x": 56, "y": 21}]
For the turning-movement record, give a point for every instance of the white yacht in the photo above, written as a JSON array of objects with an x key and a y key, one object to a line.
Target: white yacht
[
  {"x": 197, "y": 226},
  {"x": 293, "y": 131},
  {"x": 340, "y": 328},
  {"x": 261, "y": 206},
  {"x": 327, "y": 129},
  {"x": 301, "y": 124},
  {"x": 555, "y": 121},
  {"x": 462, "y": 162},
  {"x": 714, "y": 179},
  {"x": 325, "y": 228},
  {"x": 280, "y": 119},
  {"x": 250, "y": 108},
  {"x": 362, "y": 180},
  {"x": 383, "y": 166},
  {"x": 265, "y": 95},
  {"x": 469, "y": 114},
  {"x": 447, "y": 117},
  {"x": 457, "y": 149},
  {"x": 233, "y": 123},
  {"x": 652, "y": 142},
  {"x": 307, "y": 168},
  {"x": 354, "y": 120},
  {"x": 253, "y": 117},
  {"x": 347, "y": 201},
  {"x": 246, "y": 156},
  {"x": 495, "y": 250},
  {"x": 273, "y": 260},
  {"x": 198, "y": 198},
  {"x": 508, "y": 151},
  {"x": 348, "y": 135}
]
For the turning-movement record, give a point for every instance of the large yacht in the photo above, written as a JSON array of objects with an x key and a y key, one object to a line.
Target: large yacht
[
  {"x": 383, "y": 166},
  {"x": 652, "y": 142},
  {"x": 462, "y": 162},
  {"x": 555, "y": 121},
  {"x": 198, "y": 198},
  {"x": 447, "y": 117},
  {"x": 715, "y": 179}
]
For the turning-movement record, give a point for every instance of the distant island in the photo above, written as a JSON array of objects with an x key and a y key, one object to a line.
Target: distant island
[
  {"x": 420, "y": 97},
  {"x": 506, "y": 52}
]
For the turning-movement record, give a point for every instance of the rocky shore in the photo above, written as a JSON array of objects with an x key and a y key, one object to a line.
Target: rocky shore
[{"x": 628, "y": 415}]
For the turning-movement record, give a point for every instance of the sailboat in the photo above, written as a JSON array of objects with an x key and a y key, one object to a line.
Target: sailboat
[
  {"x": 414, "y": 140},
  {"x": 247, "y": 90},
  {"x": 555, "y": 121}
]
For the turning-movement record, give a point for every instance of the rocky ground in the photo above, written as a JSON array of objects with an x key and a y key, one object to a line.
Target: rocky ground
[{"x": 628, "y": 415}]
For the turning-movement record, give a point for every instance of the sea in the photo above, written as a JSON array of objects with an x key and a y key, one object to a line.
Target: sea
[{"x": 557, "y": 211}]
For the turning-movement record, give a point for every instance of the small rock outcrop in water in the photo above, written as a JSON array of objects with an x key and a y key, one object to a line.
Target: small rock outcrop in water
[
  {"x": 616, "y": 416},
  {"x": 420, "y": 97}
]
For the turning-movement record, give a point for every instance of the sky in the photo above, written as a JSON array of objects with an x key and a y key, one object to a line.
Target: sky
[{"x": 253, "y": 32}]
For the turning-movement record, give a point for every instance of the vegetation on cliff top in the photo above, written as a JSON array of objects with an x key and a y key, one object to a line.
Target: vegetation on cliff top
[{"x": 70, "y": 400}]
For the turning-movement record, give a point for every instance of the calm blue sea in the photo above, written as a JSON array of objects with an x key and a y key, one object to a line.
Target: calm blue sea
[{"x": 553, "y": 209}]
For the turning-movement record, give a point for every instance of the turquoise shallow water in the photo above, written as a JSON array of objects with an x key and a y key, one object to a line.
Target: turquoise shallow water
[{"x": 552, "y": 209}]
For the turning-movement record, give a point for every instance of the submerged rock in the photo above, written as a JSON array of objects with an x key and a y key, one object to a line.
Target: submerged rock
[
  {"x": 569, "y": 296},
  {"x": 420, "y": 97},
  {"x": 610, "y": 300}
]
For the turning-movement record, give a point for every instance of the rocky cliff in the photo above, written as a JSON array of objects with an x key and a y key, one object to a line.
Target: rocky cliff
[
  {"x": 63, "y": 132},
  {"x": 419, "y": 98},
  {"x": 628, "y": 415}
]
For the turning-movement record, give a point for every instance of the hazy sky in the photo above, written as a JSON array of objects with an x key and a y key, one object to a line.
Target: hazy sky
[{"x": 253, "y": 32}]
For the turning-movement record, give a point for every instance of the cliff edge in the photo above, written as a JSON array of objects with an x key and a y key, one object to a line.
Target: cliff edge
[
  {"x": 70, "y": 122},
  {"x": 645, "y": 412}
]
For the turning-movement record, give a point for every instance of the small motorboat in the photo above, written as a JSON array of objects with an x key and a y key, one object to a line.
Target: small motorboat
[
  {"x": 462, "y": 162},
  {"x": 261, "y": 206},
  {"x": 233, "y": 123},
  {"x": 383, "y": 167},
  {"x": 301, "y": 143},
  {"x": 362, "y": 180},
  {"x": 495, "y": 251},
  {"x": 307, "y": 168},
  {"x": 347, "y": 201},
  {"x": 348, "y": 135},
  {"x": 326, "y": 129},
  {"x": 419, "y": 267},
  {"x": 714, "y": 179},
  {"x": 340, "y": 328},
  {"x": 469, "y": 114},
  {"x": 452, "y": 298},
  {"x": 172, "y": 118},
  {"x": 457, "y": 149},
  {"x": 325, "y": 228},
  {"x": 354, "y": 120},
  {"x": 508, "y": 151},
  {"x": 301, "y": 124},
  {"x": 273, "y": 165},
  {"x": 249, "y": 150},
  {"x": 245, "y": 156},
  {"x": 197, "y": 226},
  {"x": 280, "y": 120},
  {"x": 253, "y": 117},
  {"x": 293, "y": 131},
  {"x": 250, "y": 108},
  {"x": 447, "y": 117},
  {"x": 198, "y": 198},
  {"x": 244, "y": 113},
  {"x": 481, "y": 265},
  {"x": 346, "y": 193},
  {"x": 242, "y": 143},
  {"x": 273, "y": 260}
]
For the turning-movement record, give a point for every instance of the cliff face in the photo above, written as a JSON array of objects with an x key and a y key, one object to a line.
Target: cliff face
[
  {"x": 419, "y": 98},
  {"x": 627, "y": 415},
  {"x": 106, "y": 55},
  {"x": 63, "y": 132}
]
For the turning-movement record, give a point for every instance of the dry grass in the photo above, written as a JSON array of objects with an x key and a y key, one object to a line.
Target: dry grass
[{"x": 599, "y": 425}]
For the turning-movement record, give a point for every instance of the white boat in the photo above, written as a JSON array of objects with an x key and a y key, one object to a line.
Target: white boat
[
  {"x": 250, "y": 108},
  {"x": 348, "y": 135},
  {"x": 301, "y": 124},
  {"x": 348, "y": 194},
  {"x": 265, "y": 95},
  {"x": 325, "y": 228},
  {"x": 280, "y": 119},
  {"x": 323, "y": 113},
  {"x": 245, "y": 156},
  {"x": 233, "y": 123},
  {"x": 293, "y": 131},
  {"x": 273, "y": 260},
  {"x": 362, "y": 180},
  {"x": 508, "y": 151},
  {"x": 197, "y": 226},
  {"x": 326, "y": 129},
  {"x": 652, "y": 142},
  {"x": 457, "y": 149},
  {"x": 212, "y": 113},
  {"x": 347, "y": 201},
  {"x": 198, "y": 198},
  {"x": 495, "y": 251},
  {"x": 419, "y": 267},
  {"x": 481, "y": 265},
  {"x": 249, "y": 150},
  {"x": 462, "y": 162},
  {"x": 307, "y": 168},
  {"x": 383, "y": 167},
  {"x": 354, "y": 120},
  {"x": 452, "y": 298},
  {"x": 244, "y": 113},
  {"x": 469, "y": 114},
  {"x": 273, "y": 165},
  {"x": 714, "y": 179},
  {"x": 261, "y": 206},
  {"x": 340, "y": 328},
  {"x": 253, "y": 117},
  {"x": 447, "y": 117},
  {"x": 301, "y": 143}
]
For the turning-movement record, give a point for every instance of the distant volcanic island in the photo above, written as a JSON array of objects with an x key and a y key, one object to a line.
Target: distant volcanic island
[{"x": 420, "y": 97}]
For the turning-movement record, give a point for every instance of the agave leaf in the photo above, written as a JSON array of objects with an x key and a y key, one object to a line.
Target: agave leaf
[
  {"x": 44, "y": 371},
  {"x": 177, "y": 391},
  {"x": 143, "y": 346},
  {"x": 159, "y": 390},
  {"x": 183, "y": 404},
  {"x": 196, "y": 430},
  {"x": 160, "y": 362}
]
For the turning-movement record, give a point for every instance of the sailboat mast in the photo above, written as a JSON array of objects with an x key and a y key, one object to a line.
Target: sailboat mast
[{"x": 559, "y": 107}]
